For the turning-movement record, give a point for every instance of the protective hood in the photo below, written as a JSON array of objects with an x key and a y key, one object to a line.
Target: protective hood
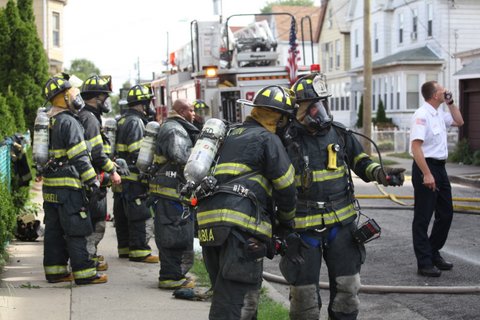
[{"x": 266, "y": 117}]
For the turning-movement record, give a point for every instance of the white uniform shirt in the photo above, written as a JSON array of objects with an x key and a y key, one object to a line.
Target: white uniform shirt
[{"x": 430, "y": 126}]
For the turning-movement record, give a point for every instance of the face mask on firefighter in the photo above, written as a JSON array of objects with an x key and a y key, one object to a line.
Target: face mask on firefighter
[
  {"x": 104, "y": 104},
  {"x": 318, "y": 115},
  {"x": 74, "y": 99}
]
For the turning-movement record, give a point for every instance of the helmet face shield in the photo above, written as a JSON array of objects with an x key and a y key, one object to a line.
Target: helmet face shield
[
  {"x": 106, "y": 105},
  {"x": 318, "y": 115}
]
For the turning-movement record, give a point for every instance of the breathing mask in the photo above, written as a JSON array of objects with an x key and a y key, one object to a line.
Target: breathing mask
[
  {"x": 74, "y": 100},
  {"x": 318, "y": 115},
  {"x": 104, "y": 105}
]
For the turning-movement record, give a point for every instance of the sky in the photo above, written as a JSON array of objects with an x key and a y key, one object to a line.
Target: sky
[{"x": 114, "y": 34}]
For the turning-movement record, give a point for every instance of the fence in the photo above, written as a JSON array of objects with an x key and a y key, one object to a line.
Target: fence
[{"x": 5, "y": 157}]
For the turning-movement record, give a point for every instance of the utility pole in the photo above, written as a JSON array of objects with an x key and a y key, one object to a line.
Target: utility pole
[
  {"x": 138, "y": 70},
  {"x": 367, "y": 77}
]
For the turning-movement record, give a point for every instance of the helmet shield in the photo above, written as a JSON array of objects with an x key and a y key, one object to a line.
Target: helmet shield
[{"x": 318, "y": 115}]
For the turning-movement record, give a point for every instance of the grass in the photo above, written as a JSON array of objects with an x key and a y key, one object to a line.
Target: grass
[
  {"x": 403, "y": 155},
  {"x": 268, "y": 309}
]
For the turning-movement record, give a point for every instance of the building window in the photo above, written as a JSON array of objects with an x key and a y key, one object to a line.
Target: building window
[
  {"x": 392, "y": 90},
  {"x": 385, "y": 94},
  {"x": 375, "y": 35},
  {"x": 330, "y": 56},
  {"x": 400, "y": 28},
  {"x": 414, "y": 24},
  {"x": 330, "y": 19},
  {"x": 412, "y": 91},
  {"x": 374, "y": 91},
  {"x": 398, "y": 92},
  {"x": 324, "y": 55},
  {"x": 337, "y": 53},
  {"x": 431, "y": 77},
  {"x": 356, "y": 43},
  {"x": 56, "y": 29},
  {"x": 430, "y": 20}
]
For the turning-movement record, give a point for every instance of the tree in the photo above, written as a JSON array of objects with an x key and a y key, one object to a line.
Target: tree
[
  {"x": 381, "y": 119},
  {"x": 83, "y": 68},
  {"x": 295, "y": 3},
  {"x": 7, "y": 128},
  {"x": 359, "y": 123}
]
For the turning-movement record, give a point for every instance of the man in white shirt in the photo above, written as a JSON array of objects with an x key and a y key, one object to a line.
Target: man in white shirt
[{"x": 432, "y": 190}]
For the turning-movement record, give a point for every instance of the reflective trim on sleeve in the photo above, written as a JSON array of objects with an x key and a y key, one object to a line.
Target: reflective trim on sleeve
[
  {"x": 358, "y": 158},
  {"x": 286, "y": 180},
  {"x": 263, "y": 182},
  {"x": 62, "y": 182},
  {"x": 108, "y": 167},
  {"x": 287, "y": 215},
  {"x": 87, "y": 175},
  {"x": 107, "y": 148},
  {"x": 324, "y": 219},
  {"x": 163, "y": 191},
  {"x": 134, "y": 146},
  {"x": 159, "y": 159},
  {"x": 121, "y": 147},
  {"x": 233, "y": 217},
  {"x": 232, "y": 168},
  {"x": 369, "y": 170},
  {"x": 58, "y": 153},
  {"x": 76, "y": 149},
  {"x": 95, "y": 141}
]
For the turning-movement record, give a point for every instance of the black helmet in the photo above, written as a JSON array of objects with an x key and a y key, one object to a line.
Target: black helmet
[
  {"x": 199, "y": 105},
  {"x": 54, "y": 86},
  {"x": 274, "y": 97},
  {"x": 96, "y": 84},
  {"x": 138, "y": 94},
  {"x": 311, "y": 87}
]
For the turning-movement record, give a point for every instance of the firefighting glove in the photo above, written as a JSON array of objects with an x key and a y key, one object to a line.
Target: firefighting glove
[
  {"x": 284, "y": 228},
  {"x": 389, "y": 176},
  {"x": 122, "y": 167},
  {"x": 295, "y": 247},
  {"x": 95, "y": 193}
]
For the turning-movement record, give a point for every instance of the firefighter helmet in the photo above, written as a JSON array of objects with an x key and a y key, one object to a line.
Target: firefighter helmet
[
  {"x": 274, "y": 97},
  {"x": 96, "y": 84},
  {"x": 311, "y": 87},
  {"x": 199, "y": 105},
  {"x": 54, "y": 86},
  {"x": 138, "y": 94}
]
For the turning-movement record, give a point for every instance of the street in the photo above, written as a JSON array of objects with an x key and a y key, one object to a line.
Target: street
[{"x": 391, "y": 262}]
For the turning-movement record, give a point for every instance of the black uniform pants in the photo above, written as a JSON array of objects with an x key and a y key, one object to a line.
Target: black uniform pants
[
  {"x": 426, "y": 203},
  {"x": 235, "y": 281},
  {"x": 121, "y": 225}
]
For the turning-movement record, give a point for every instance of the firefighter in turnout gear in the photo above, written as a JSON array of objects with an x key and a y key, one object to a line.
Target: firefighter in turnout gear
[
  {"x": 133, "y": 221},
  {"x": 174, "y": 224},
  {"x": 323, "y": 152},
  {"x": 201, "y": 110},
  {"x": 95, "y": 92},
  {"x": 253, "y": 175},
  {"x": 67, "y": 172}
]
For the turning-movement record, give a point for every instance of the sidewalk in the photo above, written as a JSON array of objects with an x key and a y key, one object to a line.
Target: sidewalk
[{"x": 131, "y": 291}]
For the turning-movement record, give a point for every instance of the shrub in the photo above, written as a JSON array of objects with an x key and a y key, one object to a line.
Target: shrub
[
  {"x": 462, "y": 153},
  {"x": 386, "y": 146}
]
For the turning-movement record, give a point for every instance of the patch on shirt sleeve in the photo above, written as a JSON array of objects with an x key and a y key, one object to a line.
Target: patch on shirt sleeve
[{"x": 420, "y": 121}]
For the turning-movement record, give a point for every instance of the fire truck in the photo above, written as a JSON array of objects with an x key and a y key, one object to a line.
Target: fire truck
[{"x": 221, "y": 65}]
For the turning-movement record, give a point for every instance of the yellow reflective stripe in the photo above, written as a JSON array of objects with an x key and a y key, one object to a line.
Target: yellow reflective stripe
[
  {"x": 327, "y": 218},
  {"x": 51, "y": 270},
  {"x": 324, "y": 175},
  {"x": 108, "y": 166},
  {"x": 58, "y": 153},
  {"x": 164, "y": 191},
  {"x": 286, "y": 180},
  {"x": 87, "y": 175},
  {"x": 358, "y": 158},
  {"x": 107, "y": 148},
  {"x": 139, "y": 253},
  {"x": 123, "y": 250},
  {"x": 132, "y": 176},
  {"x": 121, "y": 147},
  {"x": 62, "y": 182},
  {"x": 236, "y": 218},
  {"x": 159, "y": 159},
  {"x": 287, "y": 215},
  {"x": 369, "y": 170},
  {"x": 171, "y": 283},
  {"x": 263, "y": 182},
  {"x": 134, "y": 146},
  {"x": 96, "y": 141},
  {"x": 76, "y": 149},
  {"x": 85, "y": 273},
  {"x": 232, "y": 168}
]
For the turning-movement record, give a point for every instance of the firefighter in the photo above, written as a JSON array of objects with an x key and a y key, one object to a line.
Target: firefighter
[
  {"x": 323, "y": 152},
  {"x": 95, "y": 92},
  {"x": 201, "y": 110},
  {"x": 67, "y": 172},
  {"x": 173, "y": 221},
  {"x": 133, "y": 220},
  {"x": 235, "y": 218}
]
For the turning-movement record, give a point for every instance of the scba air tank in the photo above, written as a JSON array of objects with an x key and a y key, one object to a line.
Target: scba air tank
[
  {"x": 147, "y": 149},
  {"x": 40, "y": 138},
  {"x": 204, "y": 151},
  {"x": 111, "y": 132}
]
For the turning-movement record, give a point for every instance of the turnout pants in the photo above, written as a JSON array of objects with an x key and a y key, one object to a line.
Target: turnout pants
[
  {"x": 343, "y": 258},
  {"x": 426, "y": 203},
  {"x": 174, "y": 238},
  {"x": 66, "y": 226},
  {"x": 236, "y": 280}
]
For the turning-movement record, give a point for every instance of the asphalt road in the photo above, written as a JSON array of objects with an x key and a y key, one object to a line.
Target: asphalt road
[{"x": 391, "y": 262}]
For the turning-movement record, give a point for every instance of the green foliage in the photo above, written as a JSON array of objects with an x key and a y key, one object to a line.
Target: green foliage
[
  {"x": 83, "y": 68},
  {"x": 386, "y": 146},
  {"x": 295, "y": 3},
  {"x": 7, "y": 128},
  {"x": 16, "y": 109},
  {"x": 200, "y": 271},
  {"x": 359, "y": 123},
  {"x": 7, "y": 216},
  {"x": 476, "y": 158},
  {"x": 462, "y": 153},
  {"x": 269, "y": 309}
]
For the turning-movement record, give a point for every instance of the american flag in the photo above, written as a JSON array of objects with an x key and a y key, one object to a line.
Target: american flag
[{"x": 293, "y": 54}]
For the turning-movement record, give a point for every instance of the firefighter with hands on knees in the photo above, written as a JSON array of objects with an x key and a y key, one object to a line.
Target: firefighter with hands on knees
[
  {"x": 133, "y": 221},
  {"x": 174, "y": 221},
  {"x": 323, "y": 152},
  {"x": 95, "y": 92},
  {"x": 253, "y": 176},
  {"x": 201, "y": 110},
  {"x": 65, "y": 175}
]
